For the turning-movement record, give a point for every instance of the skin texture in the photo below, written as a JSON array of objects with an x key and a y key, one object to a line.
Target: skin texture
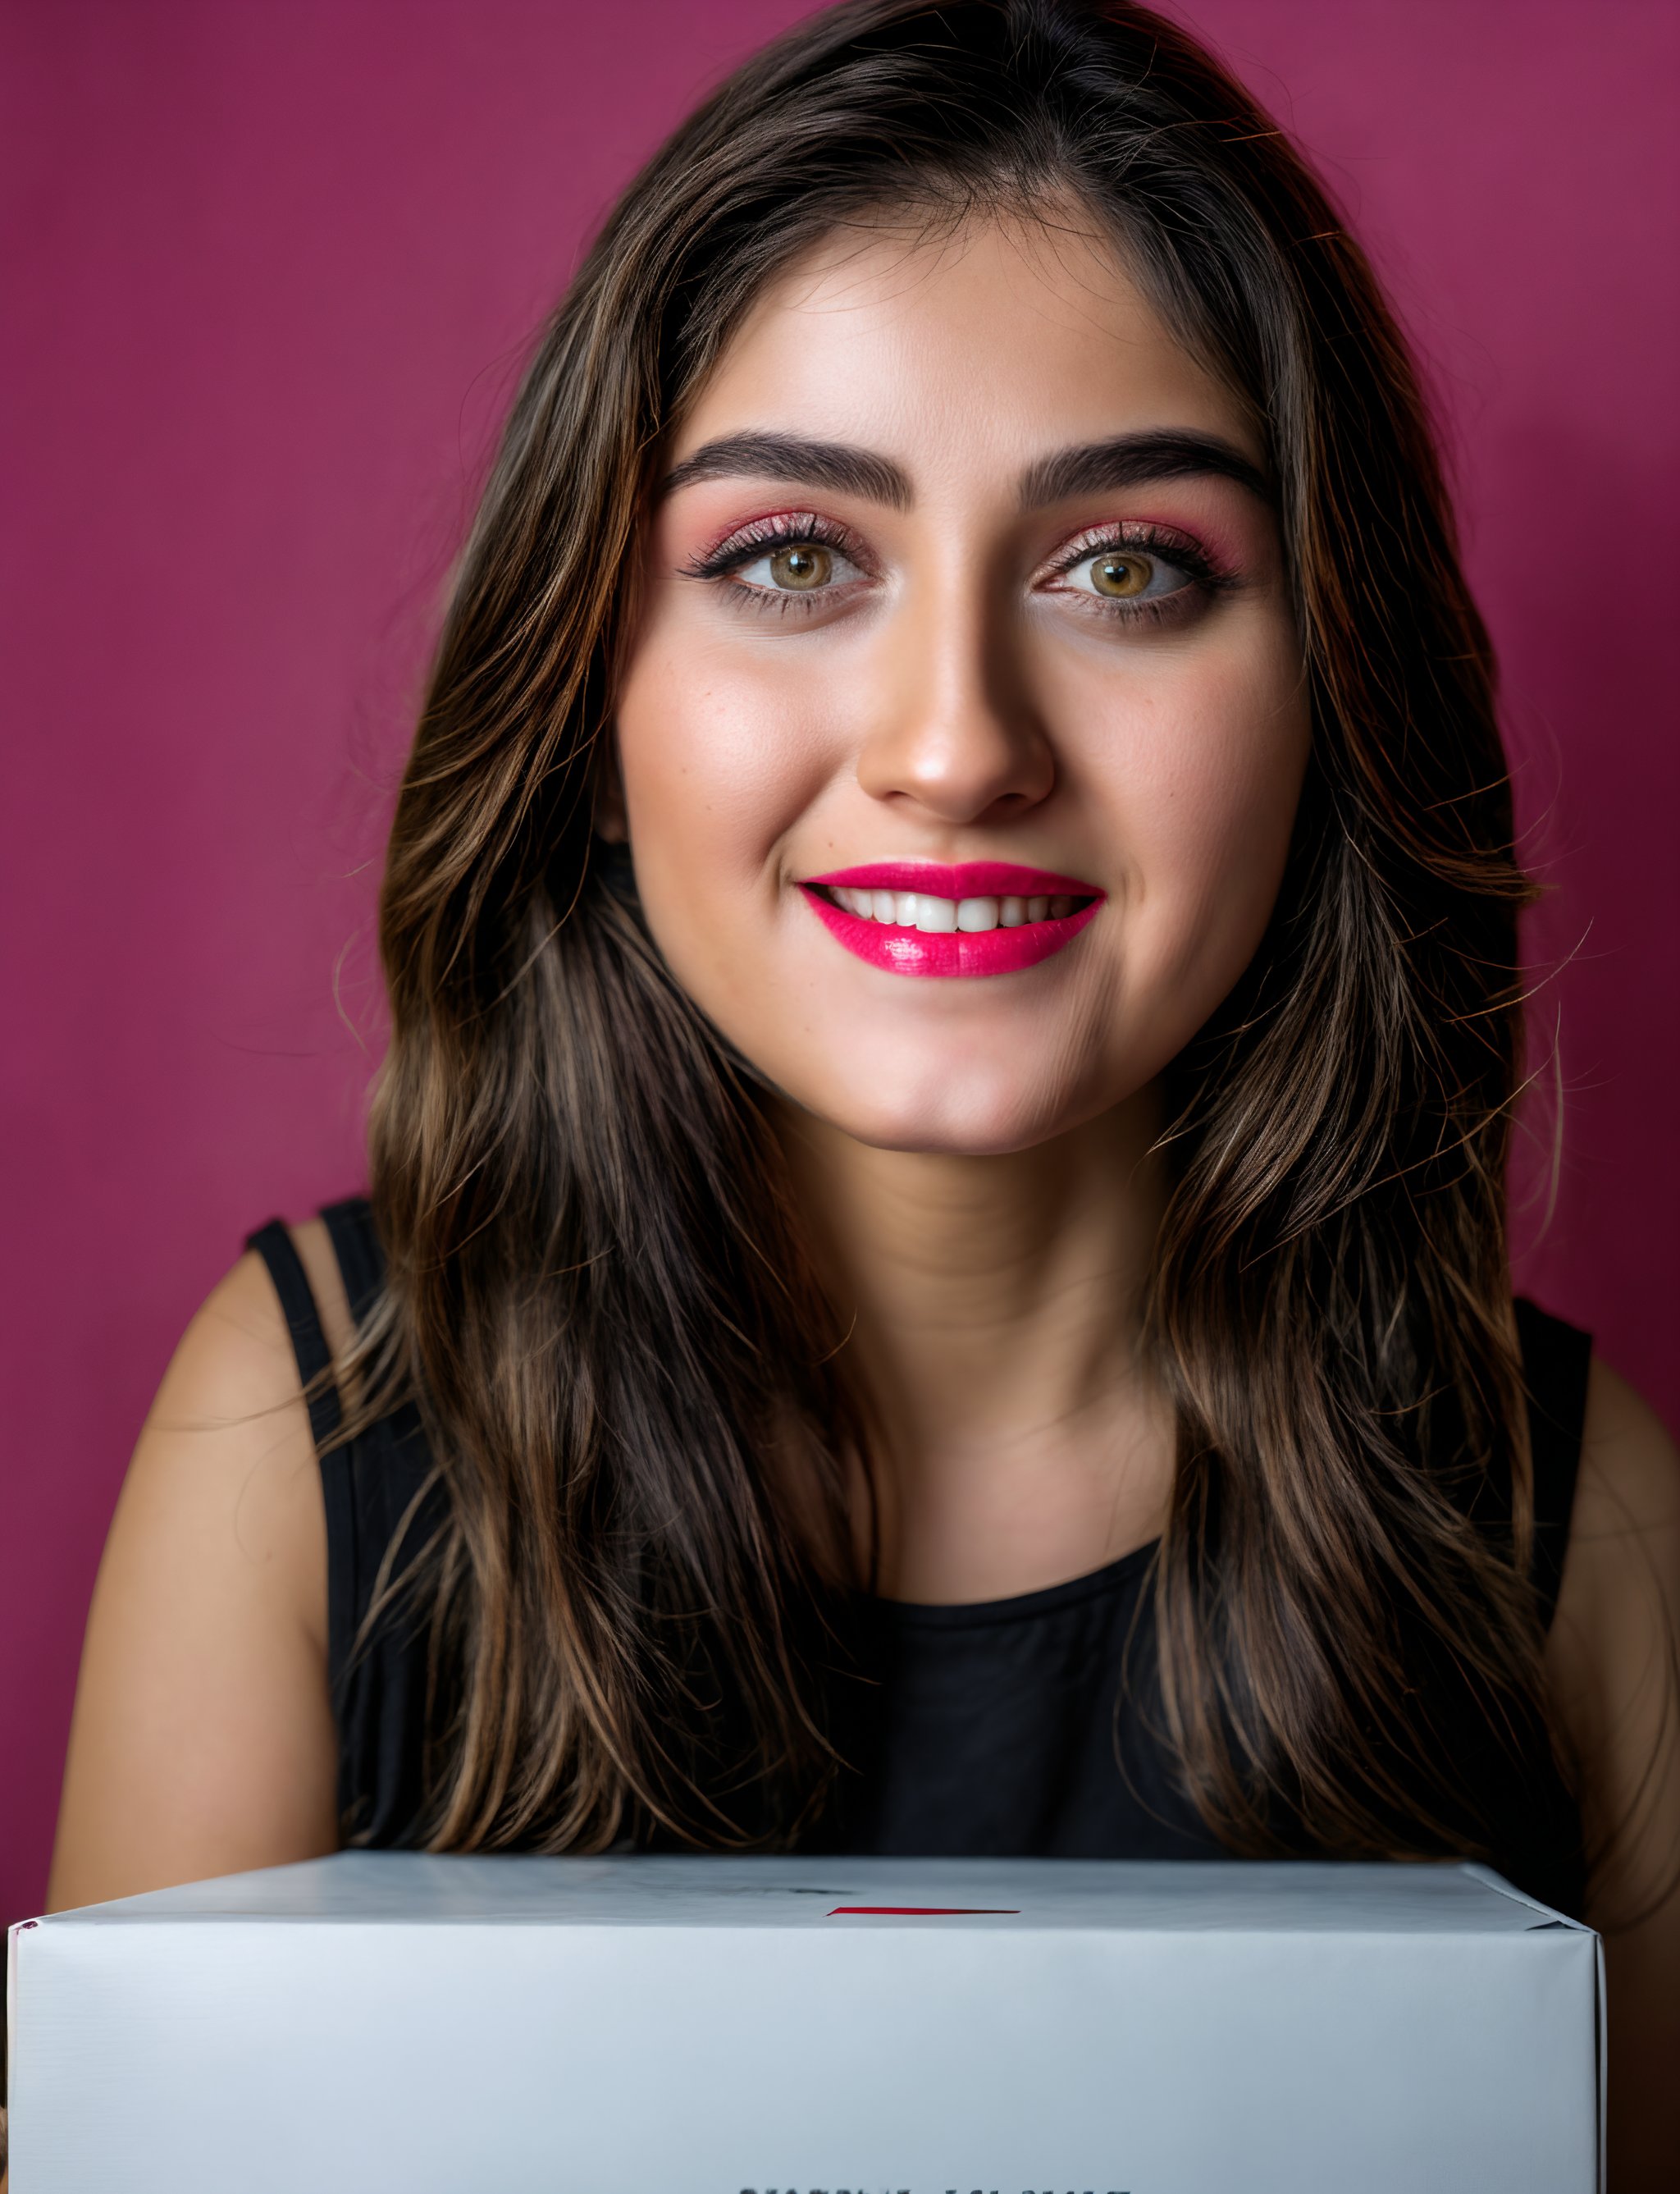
[
  {"x": 973, "y": 1156},
  {"x": 958, "y": 698},
  {"x": 963, "y": 1146}
]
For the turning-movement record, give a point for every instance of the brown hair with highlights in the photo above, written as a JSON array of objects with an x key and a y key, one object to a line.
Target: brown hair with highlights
[{"x": 597, "y": 1291}]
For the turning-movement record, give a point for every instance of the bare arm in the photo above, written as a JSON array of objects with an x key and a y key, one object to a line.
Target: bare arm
[
  {"x": 1612, "y": 1658},
  {"x": 203, "y": 1739}
]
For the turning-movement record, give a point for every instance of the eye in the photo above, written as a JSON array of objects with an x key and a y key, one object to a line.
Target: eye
[
  {"x": 787, "y": 562},
  {"x": 1126, "y": 575},
  {"x": 796, "y": 567}
]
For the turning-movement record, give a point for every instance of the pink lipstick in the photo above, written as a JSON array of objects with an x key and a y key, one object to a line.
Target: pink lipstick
[{"x": 967, "y": 918}]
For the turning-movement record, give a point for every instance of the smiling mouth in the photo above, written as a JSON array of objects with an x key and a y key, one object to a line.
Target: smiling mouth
[
  {"x": 974, "y": 919},
  {"x": 943, "y": 918}
]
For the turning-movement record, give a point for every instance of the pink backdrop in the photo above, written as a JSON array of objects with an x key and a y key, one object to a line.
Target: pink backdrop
[{"x": 272, "y": 270}]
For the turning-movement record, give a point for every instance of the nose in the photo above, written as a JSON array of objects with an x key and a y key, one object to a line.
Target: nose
[{"x": 952, "y": 732}]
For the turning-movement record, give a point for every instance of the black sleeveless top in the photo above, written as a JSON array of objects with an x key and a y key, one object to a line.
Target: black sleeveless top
[{"x": 994, "y": 1730}]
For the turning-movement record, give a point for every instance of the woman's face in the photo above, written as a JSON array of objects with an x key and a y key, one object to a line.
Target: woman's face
[{"x": 962, "y": 729}]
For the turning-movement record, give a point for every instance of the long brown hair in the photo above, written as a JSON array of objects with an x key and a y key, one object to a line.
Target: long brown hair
[{"x": 597, "y": 1291}]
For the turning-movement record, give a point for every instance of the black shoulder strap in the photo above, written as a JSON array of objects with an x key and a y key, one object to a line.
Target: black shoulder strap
[
  {"x": 1556, "y": 1358},
  {"x": 273, "y": 1244},
  {"x": 350, "y": 1228}
]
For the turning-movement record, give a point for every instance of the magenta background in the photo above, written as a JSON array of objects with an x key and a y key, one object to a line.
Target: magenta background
[{"x": 270, "y": 271}]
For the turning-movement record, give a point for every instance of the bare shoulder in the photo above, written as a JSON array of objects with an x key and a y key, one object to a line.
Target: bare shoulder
[
  {"x": 1612, "y": 1652},
  {"x": 226, "y": 1453},
  {"x": 226, "y": 1447},
  {"x": 202, "y": 1741},
  {"x": 1621, "y": 1573},
  {"x": 1613, "y": 1661},
  {"x": 1627, "y": 1498}
]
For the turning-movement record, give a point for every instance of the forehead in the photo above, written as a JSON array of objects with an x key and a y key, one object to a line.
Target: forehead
[{"x": 975, "y": 348}]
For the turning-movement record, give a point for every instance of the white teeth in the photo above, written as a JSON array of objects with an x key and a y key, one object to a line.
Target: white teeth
[{"x": 921, "y": 910}]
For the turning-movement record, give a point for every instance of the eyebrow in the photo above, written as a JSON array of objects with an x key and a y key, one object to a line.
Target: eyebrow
[
  {"x": 1136, "y": 460},
  {"x": 1123, "y": 461},
  {"x": 835, "y": 465}
]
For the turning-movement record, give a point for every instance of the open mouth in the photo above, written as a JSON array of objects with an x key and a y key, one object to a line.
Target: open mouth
[
  {"x": 943, "y": 918},
  {"x": 975, "y": 918}
]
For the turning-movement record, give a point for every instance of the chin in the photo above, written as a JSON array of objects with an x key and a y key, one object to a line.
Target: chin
[{"x": 971, "y": 1112}]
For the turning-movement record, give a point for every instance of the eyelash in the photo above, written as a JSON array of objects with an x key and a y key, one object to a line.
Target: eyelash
[
  {"x": 1206, "y": 578},
  {"x": 805, "y": 529},
  {"x": 791, "y": 530}
]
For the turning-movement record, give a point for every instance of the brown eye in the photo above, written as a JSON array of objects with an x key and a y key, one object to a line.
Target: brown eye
[
  {"x": 801, "y": 566},
  {"x": 1118, "y": 574}
]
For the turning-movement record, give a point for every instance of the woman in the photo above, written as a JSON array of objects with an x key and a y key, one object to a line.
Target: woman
[{"x": 936, "y": 1277}]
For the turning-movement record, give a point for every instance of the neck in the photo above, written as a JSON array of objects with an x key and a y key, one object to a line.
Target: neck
[{"x": 994, "y": 1306}]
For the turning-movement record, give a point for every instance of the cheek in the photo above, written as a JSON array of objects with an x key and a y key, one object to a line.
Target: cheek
[
  {"x": 716, "y": 765},
  {"x": 1204, "y": 787}
]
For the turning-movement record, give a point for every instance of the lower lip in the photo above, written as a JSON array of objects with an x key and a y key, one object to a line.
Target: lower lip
[{"x": 949, "y": 952}]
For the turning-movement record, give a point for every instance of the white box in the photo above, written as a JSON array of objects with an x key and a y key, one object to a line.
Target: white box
[{"x": 654, "y": 2026}]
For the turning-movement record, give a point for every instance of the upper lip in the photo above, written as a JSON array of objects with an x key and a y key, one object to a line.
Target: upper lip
[{"x": 961, "y": 880}]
